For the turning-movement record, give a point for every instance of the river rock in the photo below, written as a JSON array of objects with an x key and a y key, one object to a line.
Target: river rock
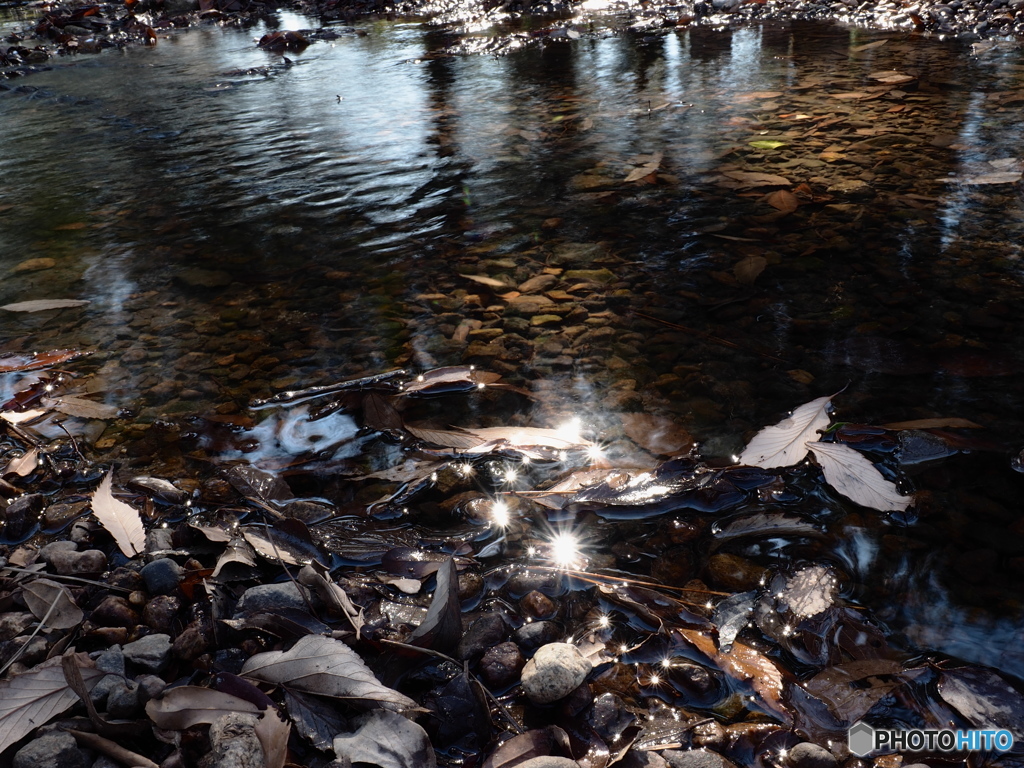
[
  {"x": 501, "y": 664},
  {"x": 855, "y": 189},
  {"x": 177, "y": 7},
  {"x": 548, "y": 762},
  {"x": 114, "y": 612},
  {"x": 538, "y": 284},
  {"x": 111, "y": 661},
  {"x": 808, "y": 755},
  {"x": 56, "y": 749},
  {"x": 642, "y": 758},
  {"x": 161, "y": 576},
  {"x": 123, "y": 699},
  {"x": 696, "y": 758},
  {"x": 47, "y": 552},
  {"x": 555, "y": 671},
  {"x": 487, "y": 631},
  {"x": 233, "y": 743},
  {"x": 68, "y": 562},
  {"x": 160, "y": 613},
  {"x": 272, "y": 598},
  {"x": 151, "y": 653},
  {"x": 733, "y": 572},
  {"x": 534, "y": 634}
]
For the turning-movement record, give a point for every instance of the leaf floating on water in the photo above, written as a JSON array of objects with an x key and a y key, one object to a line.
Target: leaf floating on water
[
  {"x": 388, "y": 740},
  {"x": 447, "y": 438},
  {"x": 732, "y": 615},
  {"x": 122, "y": 521},
  {"x": 785, "y": 443},
  {"x": 33, "y": 698},
  {"x": 809, "y": 592},
  {"x": 42, "y": 305},
  {"x": 324, "y": 666},
  {"x": 757, "y": 179},
  {"x": 783, "y": 200},
  {"x": 33, "y": 362},
  {"x": 646, "y": 169},
  {"x": 81, "y": 408},
  {"x": 983, "y": 697},
  {"x": 850, "y": 473},
  {"x": 24, "y": 465}
]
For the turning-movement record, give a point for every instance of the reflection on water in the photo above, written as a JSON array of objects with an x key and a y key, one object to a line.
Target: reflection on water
[{"x": 242, "y": 225}]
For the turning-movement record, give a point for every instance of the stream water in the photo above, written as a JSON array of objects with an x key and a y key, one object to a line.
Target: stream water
[{"x": 241, "y": 225}]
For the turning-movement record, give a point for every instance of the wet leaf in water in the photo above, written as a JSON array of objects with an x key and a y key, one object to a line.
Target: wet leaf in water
[
  {"x": 491, "y": 282},
  {"x": 314, "y": 718},
  {"x": 52, "y": 604},
  {"x": 38, "y": 360},
  {"x": 785, "y": 443},
  {"x": 808, "y": 592},
  {"x": 747, "y": 665},
  {"x": 983, "y": 697},
  {"x": 388, "y": 740},
  {"x": 42, "y": 305},
  {"x": 441, "y": 630},
  {"x": 447, "y": 438},
  {"x": 326, "y": 667},
  {"x": 442, "y": 381},
  {"x": 122, "y": 521},
  {"x": 852, "y": 689},
  {"x": 237, "y": 555},
  {"x": 749, "y": 268},
  {"x": 287, "y": 541},
  {"x": 657, "y": 434},
  {"x": 850, "y": 473},
  {"x": 23, "y": 465},
  {"x": 732, "y": 615},
  {"x": 254, "y": 483},
  {"x": 783, "y": 200},
  {"x": 983, "y": 179},
  {"x": 80, "y": 407},
  {"x": 413, "y": 563},
  {"x": 539, "y": 742},
  {"x": 757, "y": 179},
  {"x": 462, "y": 713},
  {"x": 763, "y": 524},
  {"x": 33, "y": 698},
  {"x": 767, "y": 144},
  {"x": 867, "y": 46},
  {"x": 380, "y": 414}
]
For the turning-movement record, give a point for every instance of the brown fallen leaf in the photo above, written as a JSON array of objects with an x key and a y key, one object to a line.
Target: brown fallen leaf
[
  {"x": 757, "y": 179},
  {"x": 52, "y": 604},
  {"x": 490, "y": 282},
  {"x": 749, "y": 268},
  {"x": 657, "y": 434},
  {"x": 783, "y": 200}
]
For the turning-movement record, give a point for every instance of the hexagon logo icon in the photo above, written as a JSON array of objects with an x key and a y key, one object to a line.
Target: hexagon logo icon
[{"x": 860, "y": 739}]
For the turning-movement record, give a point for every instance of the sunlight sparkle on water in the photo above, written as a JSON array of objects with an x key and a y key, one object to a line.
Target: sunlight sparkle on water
[
  {"x": 565, "y": 549},
  {"x": 500, "y": 514},
  {"x": 570, "y": 431}
]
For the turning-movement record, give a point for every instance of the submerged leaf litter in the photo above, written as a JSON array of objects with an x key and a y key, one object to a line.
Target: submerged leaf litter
[{"x": 397, "y": 630}]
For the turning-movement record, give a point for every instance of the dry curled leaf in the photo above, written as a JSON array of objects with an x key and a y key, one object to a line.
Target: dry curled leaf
[
  {"x": 122, "y": 521},
  {"x": 328, "y": 667}
]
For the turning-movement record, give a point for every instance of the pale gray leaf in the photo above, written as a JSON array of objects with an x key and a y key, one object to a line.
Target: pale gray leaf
[
  {"x": 237, "y": 551},
  {"x": 41, "y": 305},
  {"x": 850, "y": 473},
  {"x": 325, "y": 666},
  {"x": 388, "y": 740},
  {"x": 785, "y": 443},
  {"x": 24, "y": 465},
  {"x": 122, "y": 521},
  {"x": 810, "y": 591},
  {"x": 81, "y": 408},
  {"x": 34, "y": 698},
  {"x": 52, "y": 601},
  {"x": 984, "y": 698}
]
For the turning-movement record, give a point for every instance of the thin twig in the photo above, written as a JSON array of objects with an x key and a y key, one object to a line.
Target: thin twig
[
  {"x": 112, "y": 749},
  {"x": 61, "y": 577},
  {"x": 42, "y": 623},
  {"x": 593, "y": 578}
]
